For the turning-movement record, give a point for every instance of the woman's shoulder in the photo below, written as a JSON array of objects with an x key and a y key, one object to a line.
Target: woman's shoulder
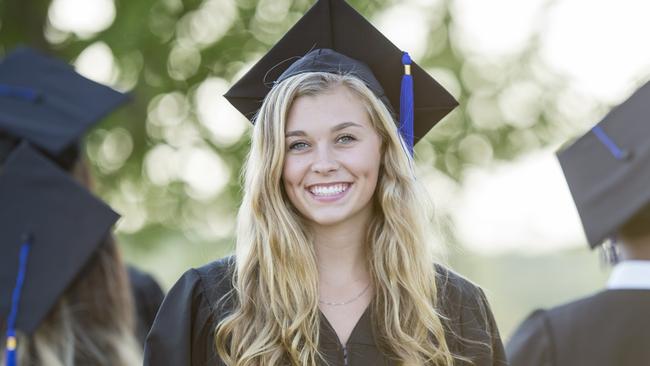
[
  {"x": 471, "y": 328},
  {"x": 454, "y": 287},
  {"x": 212, "y": 281},
  {"x": 215, "y": 273},
  {"x": 458, "y": 296},
  {"x": 183, "y": 331}
]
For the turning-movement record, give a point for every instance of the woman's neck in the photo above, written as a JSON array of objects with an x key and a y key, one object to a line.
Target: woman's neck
[{"x": 341, "y": 252}]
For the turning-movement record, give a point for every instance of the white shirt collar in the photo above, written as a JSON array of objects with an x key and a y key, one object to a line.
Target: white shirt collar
[{"x": 632, "y": 274}]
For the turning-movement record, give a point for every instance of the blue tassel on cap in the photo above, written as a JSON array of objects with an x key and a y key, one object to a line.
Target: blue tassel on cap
[
  {"x": 12, "y": 343},
  {"x": 12, "y": 359},
  {"x": 17, "y": 92},
  {"x": 406, "y": 104},
  {"x": 618, "y": 153}
]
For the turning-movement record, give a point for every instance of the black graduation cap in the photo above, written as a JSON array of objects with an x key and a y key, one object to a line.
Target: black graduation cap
[
  {"x": 333, "y": 37},
  {"x": 608, "y": 168},
  {"x": 46, "y": 102},
  {"x": 59, "y": 222}
]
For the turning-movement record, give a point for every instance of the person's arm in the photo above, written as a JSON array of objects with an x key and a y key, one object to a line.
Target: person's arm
[{"x": 531, "y": 344}]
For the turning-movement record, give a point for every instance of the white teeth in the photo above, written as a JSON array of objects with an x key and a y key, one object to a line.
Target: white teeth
[{"x": 329, "y": 190}]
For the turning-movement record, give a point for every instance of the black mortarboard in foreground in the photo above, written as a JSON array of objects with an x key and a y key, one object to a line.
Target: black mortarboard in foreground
[
  {"x": 46, "y": 102},
  {"x": 608, "y": 169},
  {"x": 62, "y": 222},
  {"x": 333, "y": 37}
]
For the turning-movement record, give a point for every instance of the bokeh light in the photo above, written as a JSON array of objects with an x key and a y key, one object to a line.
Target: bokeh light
[
  {"x": 97, "y": 16},
  {"x": 225, "y": 124},
  {"x": 97, "y": 63},
  {"x": 530, "y": 76}
]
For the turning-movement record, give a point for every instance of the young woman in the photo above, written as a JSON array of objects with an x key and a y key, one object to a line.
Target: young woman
[
  {"x": 334, "y": 261},
  {"x": 333, "y": 265}
]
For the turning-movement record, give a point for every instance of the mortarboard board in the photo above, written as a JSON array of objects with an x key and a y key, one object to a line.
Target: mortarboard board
[
  {"x": 62, "y": 223},
  {"x": 608, "y": 168},
  {"x": 333, "y": 37},
  {"x": 46, "y": 102}
]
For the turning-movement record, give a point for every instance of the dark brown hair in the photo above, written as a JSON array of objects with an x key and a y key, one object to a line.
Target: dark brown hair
[{"x": 638, "y": 226}]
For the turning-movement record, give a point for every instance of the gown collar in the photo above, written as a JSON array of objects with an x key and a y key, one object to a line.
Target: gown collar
[
  {"x": 630, "y": 274},
  {"x": 361, "y": 333}
]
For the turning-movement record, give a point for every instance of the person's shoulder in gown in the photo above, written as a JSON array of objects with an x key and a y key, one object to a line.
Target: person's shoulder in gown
[
  {"x": 609, "y": 328},
  {"x": 183, "y": 332}
]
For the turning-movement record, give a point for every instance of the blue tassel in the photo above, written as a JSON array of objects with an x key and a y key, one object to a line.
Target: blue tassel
[
  {"x": 27, "y": 94},
  {"x": 406, "y": 104},
  {"x": 11, "y": 359},
  {"x": 12, "y": 344},
  {"x": 618, "y": 153}
]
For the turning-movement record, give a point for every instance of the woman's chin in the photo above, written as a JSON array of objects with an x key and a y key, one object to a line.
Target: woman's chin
[
  {"x": 327, "y": 218},
  {"x": 338, "y": 215}
]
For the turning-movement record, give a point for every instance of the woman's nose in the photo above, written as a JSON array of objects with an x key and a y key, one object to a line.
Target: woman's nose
[{"x": 324, "y": 162}]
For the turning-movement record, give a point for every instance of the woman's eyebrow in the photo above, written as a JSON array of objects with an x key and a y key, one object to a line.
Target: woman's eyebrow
[
  {"x": 338, "y": 127},
  {"x": 343, "y": 125},
  {"x": 295, "y": 133}
]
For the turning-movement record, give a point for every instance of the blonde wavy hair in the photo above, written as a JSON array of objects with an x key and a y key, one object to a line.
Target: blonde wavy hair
[{"x": 275, "y": 321}]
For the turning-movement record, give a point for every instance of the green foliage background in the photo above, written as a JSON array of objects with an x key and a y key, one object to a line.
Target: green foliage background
[{"x": 153, "y": 48}]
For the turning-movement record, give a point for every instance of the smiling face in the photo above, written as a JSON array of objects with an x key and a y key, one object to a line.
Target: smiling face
[{"x": 333, "y": 156}]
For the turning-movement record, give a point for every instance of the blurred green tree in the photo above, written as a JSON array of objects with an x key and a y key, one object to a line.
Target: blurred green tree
[{"x": 170, "y": 161}]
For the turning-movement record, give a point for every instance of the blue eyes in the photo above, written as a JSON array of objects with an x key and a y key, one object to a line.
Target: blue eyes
[
  {"x": 298, "y": 146},
  {"x": 342, "y": 139},
  {"x": 346, "y": 139}
]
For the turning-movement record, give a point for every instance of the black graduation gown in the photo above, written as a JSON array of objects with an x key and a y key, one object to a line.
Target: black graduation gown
[
  {"x": 147, "y": 297},
  {"x": 609, "y": 328},
  {"x": 183, "y": 330}
]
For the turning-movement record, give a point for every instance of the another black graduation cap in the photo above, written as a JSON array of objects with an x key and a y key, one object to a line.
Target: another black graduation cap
[
  {"x": 608, "y": 169},
  {"x": 64, "y": 223},
  {"x": 333, "y": 37},
  {"x": 46, "y": 102}
]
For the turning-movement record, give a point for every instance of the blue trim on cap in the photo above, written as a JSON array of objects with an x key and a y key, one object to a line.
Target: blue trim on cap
[
  {"x": 15, "y": 301},
  {"x": 618, "y": 153},
  {"x": 18, "y": 92}
]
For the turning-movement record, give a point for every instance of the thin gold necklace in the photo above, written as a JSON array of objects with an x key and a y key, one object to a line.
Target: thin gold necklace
[{"x": 346, "y": 302}]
